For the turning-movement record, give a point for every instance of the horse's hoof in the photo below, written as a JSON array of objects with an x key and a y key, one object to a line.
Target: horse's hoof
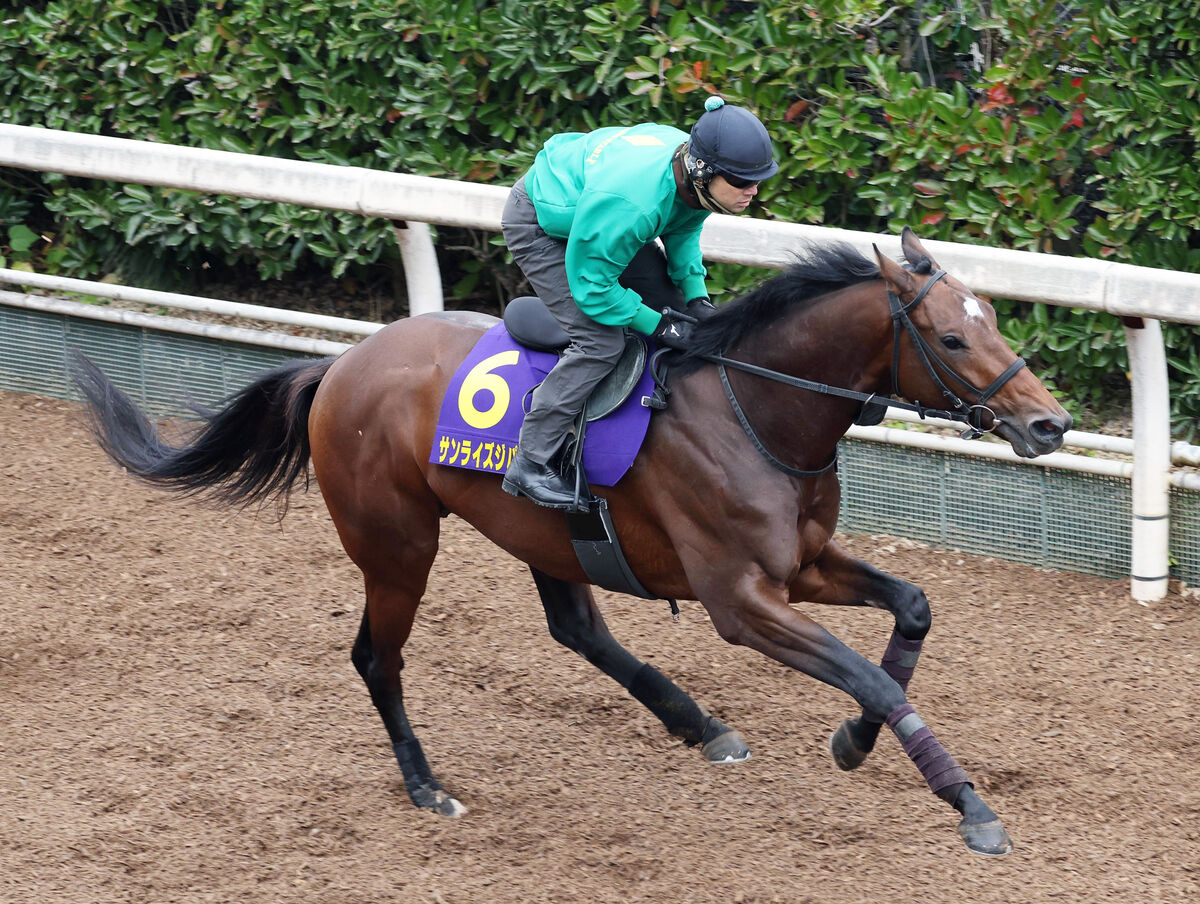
[
  {"x": 729, "y": 747},
  {"x": 986, "y": 838},
  {"x": 846, "y": 755},
  {"x": 438, "y": 801}
]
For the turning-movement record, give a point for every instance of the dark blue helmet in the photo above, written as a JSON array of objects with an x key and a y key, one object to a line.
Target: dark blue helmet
[{"x": 729, "y": 140}]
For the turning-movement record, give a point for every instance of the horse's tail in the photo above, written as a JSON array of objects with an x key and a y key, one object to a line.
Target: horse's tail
[{"x": 254, "y": 448}]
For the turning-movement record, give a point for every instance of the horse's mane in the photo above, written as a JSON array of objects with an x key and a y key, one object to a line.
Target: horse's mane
[{"x": 814, "y": 271}]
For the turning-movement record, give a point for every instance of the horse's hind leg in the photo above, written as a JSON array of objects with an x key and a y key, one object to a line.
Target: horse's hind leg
[
  {"x": 577, "y": 624},
  {"x": 396, "y": 567}
]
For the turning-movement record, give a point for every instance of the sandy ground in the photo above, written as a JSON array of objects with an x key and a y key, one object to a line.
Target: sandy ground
[{"x": 182, "y": 724}]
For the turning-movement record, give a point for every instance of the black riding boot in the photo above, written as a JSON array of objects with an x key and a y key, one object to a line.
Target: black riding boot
[{"x": 541, "y": 483}]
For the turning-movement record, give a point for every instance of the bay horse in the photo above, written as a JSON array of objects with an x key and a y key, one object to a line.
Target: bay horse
[{"x": 732, "y": 500}]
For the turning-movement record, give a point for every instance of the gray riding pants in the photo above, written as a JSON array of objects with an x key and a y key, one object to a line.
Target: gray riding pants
[{"x": 595, "y": 348}]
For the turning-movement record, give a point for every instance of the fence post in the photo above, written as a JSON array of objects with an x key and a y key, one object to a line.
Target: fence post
[
  {"x": 421, "y": 273},
  {"x": 1150, "y": 559}
]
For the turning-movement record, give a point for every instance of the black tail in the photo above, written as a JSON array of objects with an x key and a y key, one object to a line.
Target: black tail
[{"x": 253, "y": 448}]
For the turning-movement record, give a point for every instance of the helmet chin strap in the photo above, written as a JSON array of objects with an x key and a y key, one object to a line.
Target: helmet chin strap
[
  {"x": 700, "y": 174},
  {"x": 707, "y": 201}
]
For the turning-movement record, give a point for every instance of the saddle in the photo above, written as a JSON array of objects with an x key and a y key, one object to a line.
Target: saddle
[
  {"x": 530, "y": 323},
  {"x": 593, "y": 535}
]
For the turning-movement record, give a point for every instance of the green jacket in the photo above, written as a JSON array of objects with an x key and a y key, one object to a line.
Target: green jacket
[{"x": 608, "y": 193}]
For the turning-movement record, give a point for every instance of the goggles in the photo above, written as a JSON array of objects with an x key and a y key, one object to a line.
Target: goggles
[{"x": 738, "y": 181}]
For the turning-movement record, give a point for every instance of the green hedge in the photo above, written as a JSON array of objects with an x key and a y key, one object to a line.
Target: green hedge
[{"x": 1018, "y": 124}]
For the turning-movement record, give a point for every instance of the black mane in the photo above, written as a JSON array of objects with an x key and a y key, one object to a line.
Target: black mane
[{"x": 814, "y": 271}]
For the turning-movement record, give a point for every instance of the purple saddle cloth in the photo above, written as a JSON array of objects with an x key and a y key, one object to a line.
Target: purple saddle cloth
[{"x": 486, "y": 401}]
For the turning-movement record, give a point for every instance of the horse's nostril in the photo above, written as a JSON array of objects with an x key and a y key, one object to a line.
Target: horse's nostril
[{"x": 1048, "y": 429}]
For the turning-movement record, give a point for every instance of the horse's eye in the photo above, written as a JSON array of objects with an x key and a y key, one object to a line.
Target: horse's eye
[{"x": 953, "y": 343}]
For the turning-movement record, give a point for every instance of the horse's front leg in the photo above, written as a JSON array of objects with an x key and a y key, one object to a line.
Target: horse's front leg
[
  {"x": 575, "y": 622},
  {"x": 757, "y": 615},
  {"x": 839, "y": 579}
]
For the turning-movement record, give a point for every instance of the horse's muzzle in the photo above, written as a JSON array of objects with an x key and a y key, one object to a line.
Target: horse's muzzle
[{"x": 1037, "y": 436}]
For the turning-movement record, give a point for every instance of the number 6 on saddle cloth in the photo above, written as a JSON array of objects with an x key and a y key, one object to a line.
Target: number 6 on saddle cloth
[{"x": 481, "y": 413}]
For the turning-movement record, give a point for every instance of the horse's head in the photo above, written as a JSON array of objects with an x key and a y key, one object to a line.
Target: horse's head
[{"x": 953, "y": 352}]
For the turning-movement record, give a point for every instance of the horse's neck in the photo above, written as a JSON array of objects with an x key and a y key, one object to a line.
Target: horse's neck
[{"x": 843, "y": 340}]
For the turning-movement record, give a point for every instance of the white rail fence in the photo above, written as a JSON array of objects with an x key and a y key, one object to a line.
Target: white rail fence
[{"x": 1141, "y": 295}]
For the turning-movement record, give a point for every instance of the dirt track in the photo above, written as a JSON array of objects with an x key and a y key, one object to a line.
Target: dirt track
[{"x": 182, "y": 724}]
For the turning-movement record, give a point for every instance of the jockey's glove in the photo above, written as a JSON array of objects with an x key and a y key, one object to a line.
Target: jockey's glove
[
  {"x": 701, "y": 308},
  {"x": 674, "y": 330}
]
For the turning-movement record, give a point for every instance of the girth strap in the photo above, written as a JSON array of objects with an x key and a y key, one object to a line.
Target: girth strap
[{"x": 593, "y": 535}]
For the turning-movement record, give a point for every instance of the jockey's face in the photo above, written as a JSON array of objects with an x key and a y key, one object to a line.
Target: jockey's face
[{"x": 730, "y": 197}]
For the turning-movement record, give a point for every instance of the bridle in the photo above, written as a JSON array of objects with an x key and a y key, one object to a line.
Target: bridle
[{"x": 970, "y": 414}]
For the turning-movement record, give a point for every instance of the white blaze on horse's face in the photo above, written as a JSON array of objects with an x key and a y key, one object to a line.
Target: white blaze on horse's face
[{"x": 971, "y": 306}]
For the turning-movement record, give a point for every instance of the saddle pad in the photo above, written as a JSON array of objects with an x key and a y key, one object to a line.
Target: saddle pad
[{"x": 481, "y": 414}]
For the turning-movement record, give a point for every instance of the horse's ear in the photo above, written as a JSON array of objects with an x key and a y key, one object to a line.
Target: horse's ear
[
  {"x": 914, "y": 252},
  {"x": 898, "y": 279}
]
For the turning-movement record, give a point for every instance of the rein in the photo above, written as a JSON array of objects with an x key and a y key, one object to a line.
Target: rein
[
  {"x": 741, "y": 416},
  {"x": 971, "y": 415}
]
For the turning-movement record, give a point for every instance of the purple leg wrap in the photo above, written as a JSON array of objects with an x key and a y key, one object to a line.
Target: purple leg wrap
[
  {"x": 900, "y": 658},
  {"x": 899, "y": 661},
  {"x": 939, "y": 769}
]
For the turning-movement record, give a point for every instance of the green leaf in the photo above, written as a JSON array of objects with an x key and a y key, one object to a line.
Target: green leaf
[
  {"x": 21, "y": 238},
  {"x": 138, "y": 192}
]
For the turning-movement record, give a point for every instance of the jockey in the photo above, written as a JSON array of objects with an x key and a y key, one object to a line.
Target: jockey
[{"x": 582, "y": 224}]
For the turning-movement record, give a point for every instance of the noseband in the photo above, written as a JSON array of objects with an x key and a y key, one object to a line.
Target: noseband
[{"x": 972, "y": 415}]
